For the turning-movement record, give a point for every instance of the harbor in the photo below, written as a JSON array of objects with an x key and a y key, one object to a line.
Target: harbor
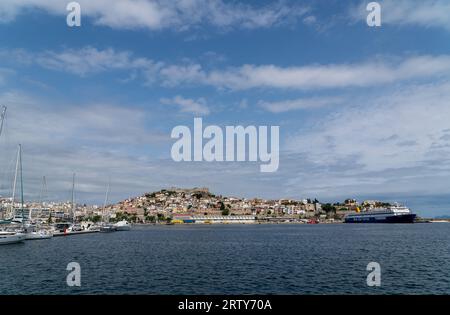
[
  {"x": 20, "y": 221},
  {"x": 44, "y": 219}
]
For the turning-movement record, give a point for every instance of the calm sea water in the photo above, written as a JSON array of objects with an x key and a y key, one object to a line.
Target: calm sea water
[{"x": 259, "y": 259}]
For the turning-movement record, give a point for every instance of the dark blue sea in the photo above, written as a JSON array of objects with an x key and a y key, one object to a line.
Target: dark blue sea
[{"x": 227, "y": 259}]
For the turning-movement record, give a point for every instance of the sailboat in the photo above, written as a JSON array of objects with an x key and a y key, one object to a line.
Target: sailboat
[
  {"x": 40, "y": 234},
  {"x": 2, "y": 120},
  {"x": 12, "y": 237},
  {"x": 74, "y": 227},
  {"x": 33, "y": 232},
  {"x": 70, "y": 227},
  {"x": 7, "y": 237},
  {"x": 10, "y": 217},
  {"x": 18, "y": 218},
  {"x": 106, "y": 226},
  {"x": 5, "y": 219}
]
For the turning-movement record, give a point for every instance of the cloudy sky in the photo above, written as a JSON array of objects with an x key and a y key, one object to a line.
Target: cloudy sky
[{"x": 363, "y": 112}]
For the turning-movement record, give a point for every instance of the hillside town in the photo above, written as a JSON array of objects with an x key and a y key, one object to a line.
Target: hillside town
[{"x": 193, "y": 205}]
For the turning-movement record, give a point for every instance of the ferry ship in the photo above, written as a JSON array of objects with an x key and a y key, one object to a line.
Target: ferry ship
[{"x": 392, "y": 214}]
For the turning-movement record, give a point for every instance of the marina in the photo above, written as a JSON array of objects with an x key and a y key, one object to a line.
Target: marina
[
  {"x": 176, "y": 206},
  {"x": 18, "y": 225}
]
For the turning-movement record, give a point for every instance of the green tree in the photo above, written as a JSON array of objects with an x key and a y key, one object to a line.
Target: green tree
[
  {"x": 328, "y": 208},
  {"x": 96, "y": 218},
  {"x": 161, "y": 217}
]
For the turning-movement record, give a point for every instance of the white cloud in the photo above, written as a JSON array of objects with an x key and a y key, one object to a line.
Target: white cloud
[
  {"x": 426, "y": 13},
  {"x": 161, "y": 14},
  {"x": 93, "y": 140},
  {"x": 186, "y": 105},
  {"x": 4, "y": 74},
  {"x": 98, "y": 124},
  {"x": 2, "y": 77},
  {"x": 87, "y": 60},
  {"x": 395, "y": 131},
  {"x": 173, "y": 75},
  {"x": 370, "y": 73},
  {"x": 298, "y": 104},
  {"x": 380, "y": 71},
  {"x": 398, "y": 142},
  {"x": 101, "y": 141},
  {"x": 310, "y": 20}
]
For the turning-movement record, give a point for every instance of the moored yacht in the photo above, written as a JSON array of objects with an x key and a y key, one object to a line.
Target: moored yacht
[
  {"x": 122, "y": 226},
  {"x": 33, "y": 233},
  {"x": 107, "y": 228},
  {"x": 38, "y": 235},
  {"x": 11, "y": 237}
]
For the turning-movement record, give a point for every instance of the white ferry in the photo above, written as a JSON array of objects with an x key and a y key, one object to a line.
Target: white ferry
[{"x": 392, "y": 214}]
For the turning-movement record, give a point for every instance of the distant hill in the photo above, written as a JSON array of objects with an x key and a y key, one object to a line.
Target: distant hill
[{"x": 443, "y": 217}]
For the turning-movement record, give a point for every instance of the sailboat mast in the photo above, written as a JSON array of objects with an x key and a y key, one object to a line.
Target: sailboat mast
[
  {"x": 2, "y": 118},
  {"x": 21, "y": 181},
  {"x": 43, "y": 191},
  {"x": 13, "y": 199},
  {"x": 73, "y": 198},
  {"x": 106, "y": 198}
]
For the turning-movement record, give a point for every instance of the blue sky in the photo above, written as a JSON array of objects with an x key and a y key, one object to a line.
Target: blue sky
[{"x": 363, "y": 112}]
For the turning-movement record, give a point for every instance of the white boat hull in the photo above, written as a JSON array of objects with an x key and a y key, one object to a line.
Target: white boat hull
[
  {"x": 122, "y": 226},
  {"x": 6, "y": 239},
  {"x": 38, "y": 236},
  {"x": 107, "y": 229}
]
